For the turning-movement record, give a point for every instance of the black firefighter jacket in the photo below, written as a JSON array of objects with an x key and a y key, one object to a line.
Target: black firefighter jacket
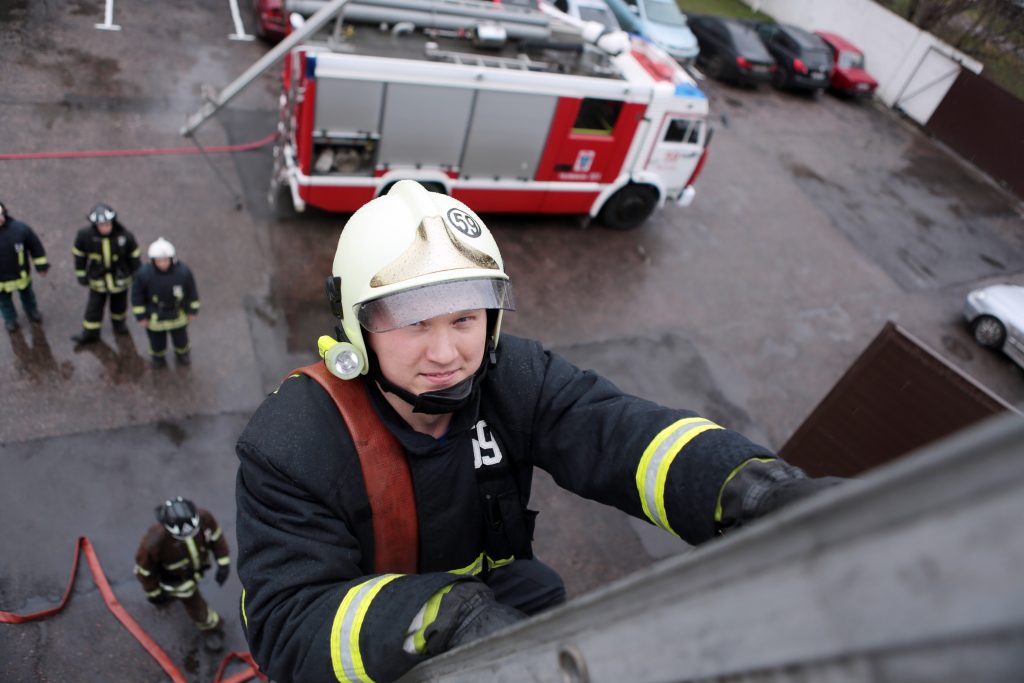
[
  {"x": 312, "y": 609},
  {"x": 19, "y": 245},
  {"x": 165, "y": 298},
  {"x": 105, "y": 263}
]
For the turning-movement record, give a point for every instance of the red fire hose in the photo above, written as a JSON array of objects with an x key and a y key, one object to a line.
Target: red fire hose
[
  {"x": 148, "y": 151},
  {"x": 83, "y": 545}
]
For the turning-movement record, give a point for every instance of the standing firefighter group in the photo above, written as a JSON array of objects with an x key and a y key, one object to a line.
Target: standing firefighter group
[{"x": 163, "y": 292}]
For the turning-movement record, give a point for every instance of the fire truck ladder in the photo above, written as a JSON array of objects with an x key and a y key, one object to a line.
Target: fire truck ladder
[
  {"x": 912, "y": 573},
  {"x": 522, "y": 62}
]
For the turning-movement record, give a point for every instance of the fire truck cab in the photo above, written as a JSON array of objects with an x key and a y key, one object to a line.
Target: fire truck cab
[{"x": 546, "y": 123}]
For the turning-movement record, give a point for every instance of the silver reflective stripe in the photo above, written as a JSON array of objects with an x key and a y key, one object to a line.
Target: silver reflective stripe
[
  {"x": 653, "y": 469},
  {"x": 345, "y": 654}
]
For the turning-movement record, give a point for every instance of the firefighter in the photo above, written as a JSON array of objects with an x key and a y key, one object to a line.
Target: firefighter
[
  {"x": 106, "y": 257},
  {"x": 165, "y": 300},
  {"x": 174, "y": 555},
  {"x": 18, "y": 246},
  {"x": 420, "y": 289}
]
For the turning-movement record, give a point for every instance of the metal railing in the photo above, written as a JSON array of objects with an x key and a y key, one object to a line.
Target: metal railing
[{"x": 913, "y": 573}]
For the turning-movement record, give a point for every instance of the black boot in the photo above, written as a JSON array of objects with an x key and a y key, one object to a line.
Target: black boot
[
  {"x": 34, "y": 316},
  {"x": 184, "y": 359},
  {"x": 158, "y": 362},
  {"x": 120, "y": 328},
  {"x": 11, "y": 325},
  {"x": 86, "y": 337}
]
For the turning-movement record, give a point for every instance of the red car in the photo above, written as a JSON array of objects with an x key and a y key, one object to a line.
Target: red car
[
  {"x": 848, "y": 74},
  {"x": 270, "y": 19}
]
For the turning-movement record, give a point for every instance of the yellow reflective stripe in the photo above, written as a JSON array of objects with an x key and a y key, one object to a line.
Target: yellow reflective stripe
[
  {"x": 183, "y": 590},
  {"x": 79, "y": 273},
  {"x": 155, "y": 592},
  {"x": 76, "y": 252},
  {"x": 217, "y": 533},
  {"x": 429, "y": 615},
  {"x": 472, "y": 569},
  {"x": 193, "y": 552},
  {"x": 117, "y": 316},
  {"x": 652, "y": 472},
  {"x": 135, "y": 254},
  {"x": 721, "y": 489},
  {"x": 494, "y": 564},
  {"x": 15, "y": 285},
  {"x": 91, "y": 326},
  {"x": 106, "y": 252},
  {"x": 176, "y": 565},
  {"x": 224, "y": 561},
  {"x": 41, "y": 261},
  {"x": 348, "y": 622},
  {"x": 212, "y": 618},
  {"x": 141, "y": 571},
  {"x": 245, "y": 617},
  {"x": 138, "y": 310}
]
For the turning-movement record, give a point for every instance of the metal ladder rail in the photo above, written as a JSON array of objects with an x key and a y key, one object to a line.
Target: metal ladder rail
[
  {"x": 216, "y": 103},
  {"x": 911, "y": 573}
]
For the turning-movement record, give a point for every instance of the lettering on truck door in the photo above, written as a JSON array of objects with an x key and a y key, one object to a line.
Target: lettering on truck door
[{"x": 675, "y": 155}]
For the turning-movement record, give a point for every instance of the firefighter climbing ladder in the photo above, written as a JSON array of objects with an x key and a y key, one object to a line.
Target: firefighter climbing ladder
[{"x": 913, "y": 574}]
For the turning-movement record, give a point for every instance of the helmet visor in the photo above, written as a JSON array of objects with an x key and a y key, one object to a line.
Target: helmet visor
[{"x": 423, "y": 303}]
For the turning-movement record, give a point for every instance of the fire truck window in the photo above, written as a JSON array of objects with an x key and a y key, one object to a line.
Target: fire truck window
[
  {"x": 683, "y": 130},
  {"x": 562, "y": 5},
  {"x": 597, "y": 117}
]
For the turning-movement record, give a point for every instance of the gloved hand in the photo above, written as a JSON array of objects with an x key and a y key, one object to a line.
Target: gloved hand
[
  {"x": 468, "y": 612},
  {"x": 222, "y": 574},
  {"x": 760, "y": 488},
  {"x": 159, "y": 599},
  {"x": 83, "y": 281}
]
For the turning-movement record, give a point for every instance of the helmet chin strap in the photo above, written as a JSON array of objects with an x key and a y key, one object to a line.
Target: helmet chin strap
[{"x": 438, "y": 402}]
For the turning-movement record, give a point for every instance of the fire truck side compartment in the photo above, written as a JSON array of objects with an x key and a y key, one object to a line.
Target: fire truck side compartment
[{"x": 507, "y": 134}]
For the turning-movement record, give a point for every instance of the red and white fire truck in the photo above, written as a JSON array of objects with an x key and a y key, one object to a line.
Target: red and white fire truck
[{"x": 524, "y": 115}]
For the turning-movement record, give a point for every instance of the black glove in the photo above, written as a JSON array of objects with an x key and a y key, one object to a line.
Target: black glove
[
  {"x": 83, "y": 281},
  {"x": 159, "y": 599},
  {"x": 222, "y": 574},
  {"x": 468, "y": 612},
  {"x": 760, "y": 488}
]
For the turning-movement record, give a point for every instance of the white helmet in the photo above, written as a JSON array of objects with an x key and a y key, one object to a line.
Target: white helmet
[
  {"x": 408, "y": 256},
  {"x": 161, "y": 248}
]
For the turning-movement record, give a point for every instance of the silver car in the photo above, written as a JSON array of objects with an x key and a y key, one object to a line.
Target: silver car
[{"x": 996, "y": 317}]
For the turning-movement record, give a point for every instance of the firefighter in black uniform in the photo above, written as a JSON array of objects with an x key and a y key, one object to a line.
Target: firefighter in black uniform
[
  {"x": 420, "y": 289},
  {"x": 174, "y": 555},
  {"x": 19, "y": 245},
  {"x": 165, "y": 299},
  {"x": 106, "y": 257}
]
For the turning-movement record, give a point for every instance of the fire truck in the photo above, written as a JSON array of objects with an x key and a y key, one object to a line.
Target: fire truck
[{"x": 506, "y": 109}]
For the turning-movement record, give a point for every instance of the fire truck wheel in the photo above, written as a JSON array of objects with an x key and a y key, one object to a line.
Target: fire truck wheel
[{"x": 629, "y": 207}]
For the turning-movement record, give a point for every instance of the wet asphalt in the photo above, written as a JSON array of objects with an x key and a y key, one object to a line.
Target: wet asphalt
[{"x": 816, "y": 221}]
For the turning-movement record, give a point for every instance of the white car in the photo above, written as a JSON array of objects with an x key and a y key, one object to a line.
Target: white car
[
  {"x": 996, "y": 317},
  {"x": 588, "y": 10}
]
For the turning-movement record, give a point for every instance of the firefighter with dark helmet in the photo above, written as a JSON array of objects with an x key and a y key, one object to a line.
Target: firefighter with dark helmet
[
  {"x": 420, "y": 289},
  {"x": 173, "y": 556},
  {"x": 20, "y": 251},
  {"x": 164, "y": 301},
  {"x": 106, "y": 257}
]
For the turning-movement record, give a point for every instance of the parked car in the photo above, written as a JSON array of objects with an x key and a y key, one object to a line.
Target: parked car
[
  {"x": 803, "y": 58},
  {"x": 589, "y": 10},
  {"x": 848, "y": 74},
  {"x": 731, "y": 51},
  {"x": 995, "y": 315},
  {"x": 661, "y": 22},
  {"x": 270, "y": 19}
]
